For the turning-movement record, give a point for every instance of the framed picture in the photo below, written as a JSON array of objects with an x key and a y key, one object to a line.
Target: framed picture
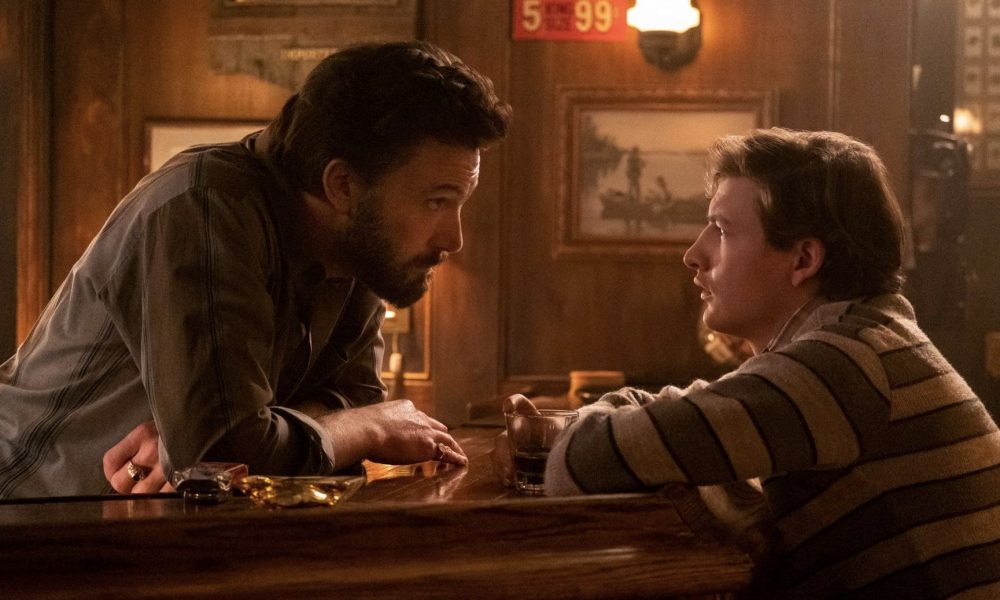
[
  {"x": 632, "y": 164},
  {"x": 166, "y": 138}
]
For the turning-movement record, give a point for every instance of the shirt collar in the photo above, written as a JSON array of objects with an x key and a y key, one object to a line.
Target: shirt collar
[
  {"x": 307, "y": 273},
  {"x": 795, "y": 323}
]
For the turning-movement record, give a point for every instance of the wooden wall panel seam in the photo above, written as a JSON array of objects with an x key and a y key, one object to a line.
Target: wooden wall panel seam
[
  {"x": 503, "y": 268},
  {"x": 34, "y": 227},
  {"x": 833, "y": 65}
]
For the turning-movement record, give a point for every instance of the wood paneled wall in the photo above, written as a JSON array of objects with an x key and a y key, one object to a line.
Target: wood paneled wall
[
  {"x": 89, "y": 163},
  {"x": 24, "y": 168},
  {"x": 505, "y": 311},
  {"x": 10, "y": 66},
  {"x": 836, "y": 65},
  {"x": 466, "y": 338},
  {"x": 118, "y": 64}
]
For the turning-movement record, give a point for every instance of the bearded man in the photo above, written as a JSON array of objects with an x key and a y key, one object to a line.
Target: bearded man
[{"x": 232, "y": 301}]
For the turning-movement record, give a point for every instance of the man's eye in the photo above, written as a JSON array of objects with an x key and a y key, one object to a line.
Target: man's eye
[{"x": 435, "y": 203}]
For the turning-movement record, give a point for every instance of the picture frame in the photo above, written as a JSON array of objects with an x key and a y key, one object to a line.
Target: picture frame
[
  {"x": 165, "y": 138},
  {"x": 632, "y": 164}
]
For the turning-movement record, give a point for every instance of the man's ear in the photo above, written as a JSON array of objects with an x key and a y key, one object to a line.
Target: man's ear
[
  {"x": 340, "y": 186},
  {"x": 809, "y": 256}
]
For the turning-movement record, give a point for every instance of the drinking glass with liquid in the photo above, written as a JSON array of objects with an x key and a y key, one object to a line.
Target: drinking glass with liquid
[{"x": 531, "y": 437}]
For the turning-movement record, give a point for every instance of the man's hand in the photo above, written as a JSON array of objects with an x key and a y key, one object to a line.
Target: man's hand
[
  {"x": 392, "y": 432},
  {"x": 503, "y": 464},
  {"x": 141, "y": 448},
  {"x": 389, "y": 432}
]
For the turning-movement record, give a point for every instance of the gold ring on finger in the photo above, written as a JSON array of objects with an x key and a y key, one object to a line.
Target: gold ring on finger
[{"x": 135, "y": 472}]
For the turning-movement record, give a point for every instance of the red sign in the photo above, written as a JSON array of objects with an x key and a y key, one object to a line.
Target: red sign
[{"x": 586, "y": 20}]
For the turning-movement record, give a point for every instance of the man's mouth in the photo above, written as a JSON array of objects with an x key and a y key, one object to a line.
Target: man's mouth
[
  {"x": 705, "y": 293},
  {"x": 432, "y": 261},
  {"x": 425, "y": 267}
]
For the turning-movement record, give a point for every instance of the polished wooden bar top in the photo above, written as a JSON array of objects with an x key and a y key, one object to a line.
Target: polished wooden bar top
[{"x": 415, "y": 531}]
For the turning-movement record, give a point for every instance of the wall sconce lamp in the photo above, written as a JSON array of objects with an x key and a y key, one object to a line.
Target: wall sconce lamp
[
  {"x": 669, "y": 31},
  {"x": 397, "y": 321}
]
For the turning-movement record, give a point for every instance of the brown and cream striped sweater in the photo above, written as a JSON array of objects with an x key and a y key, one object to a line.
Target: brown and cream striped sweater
[{"x": 880, "y": 465}]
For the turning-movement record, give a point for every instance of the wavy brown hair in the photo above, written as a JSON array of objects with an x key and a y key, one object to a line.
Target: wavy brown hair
[{"x": 824, "y": 185}]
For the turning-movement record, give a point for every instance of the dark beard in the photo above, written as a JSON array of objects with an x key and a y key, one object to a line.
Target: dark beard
[{"x": 373, "y": 255}]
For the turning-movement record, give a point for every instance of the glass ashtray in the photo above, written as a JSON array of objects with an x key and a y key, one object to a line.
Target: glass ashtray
[
  {"x": 297, "y": 492},
  {"x": 208, "y": 482}
]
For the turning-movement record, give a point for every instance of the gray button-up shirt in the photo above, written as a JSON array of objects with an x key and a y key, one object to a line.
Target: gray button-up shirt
[{"x": 196, "y": 306}]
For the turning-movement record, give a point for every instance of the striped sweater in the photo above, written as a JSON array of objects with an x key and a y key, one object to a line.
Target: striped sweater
[{"x": 879, "y": 464}]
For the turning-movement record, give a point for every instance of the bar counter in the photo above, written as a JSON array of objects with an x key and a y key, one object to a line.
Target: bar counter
[{"x": 414, "y": 531}]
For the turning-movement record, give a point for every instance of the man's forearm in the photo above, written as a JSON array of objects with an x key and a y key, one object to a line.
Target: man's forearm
[
  {"x": 350, "y": 430},
  {"x": 393, "y": 432},
  {"x": 353, "y": 433},
  {"x": 312, "y": 408}
]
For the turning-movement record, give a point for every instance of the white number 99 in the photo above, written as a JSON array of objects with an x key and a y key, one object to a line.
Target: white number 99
[
  {"x": 603, "y": 12},
  {"x": 598, "y": 15}
]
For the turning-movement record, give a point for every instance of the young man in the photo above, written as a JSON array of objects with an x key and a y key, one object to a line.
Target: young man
[
  {"x": 234, "y": 296},
  {"x": 880, "y": 467}
]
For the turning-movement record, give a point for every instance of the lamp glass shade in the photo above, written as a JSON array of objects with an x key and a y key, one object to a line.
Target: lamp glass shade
[
  {"x": 663, "y": 15},
  {"x": 668, "y": 49}
]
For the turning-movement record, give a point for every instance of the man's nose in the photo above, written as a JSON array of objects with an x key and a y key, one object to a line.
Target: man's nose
[
  {"x": 449, "y": 235},
  {"x": 689, "y": 259},
  {"x": 692, "y": 258}
]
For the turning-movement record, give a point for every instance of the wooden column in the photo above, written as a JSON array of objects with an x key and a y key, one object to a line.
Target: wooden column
[
  {"x": 88, "y": 125},
  {"x": 24, "y": 134},
  {"x": 465, "y": 325}
]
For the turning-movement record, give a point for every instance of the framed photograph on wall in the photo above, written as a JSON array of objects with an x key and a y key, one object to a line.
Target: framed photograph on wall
[
  {"x": 165, "y": 138},
  {"x": 632, "y": 164}
]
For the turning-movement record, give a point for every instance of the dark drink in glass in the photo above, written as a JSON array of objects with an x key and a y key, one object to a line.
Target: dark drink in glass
[
  {"x": 531, "y": 437},
  {"x": 529, "y": 469}
]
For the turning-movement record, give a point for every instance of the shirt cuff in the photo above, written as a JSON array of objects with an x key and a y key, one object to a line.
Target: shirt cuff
[{"x": 319, "y": 437}]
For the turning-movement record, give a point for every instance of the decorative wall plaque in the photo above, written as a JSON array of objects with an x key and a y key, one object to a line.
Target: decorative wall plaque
[{"x": 280, "y": 41}]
